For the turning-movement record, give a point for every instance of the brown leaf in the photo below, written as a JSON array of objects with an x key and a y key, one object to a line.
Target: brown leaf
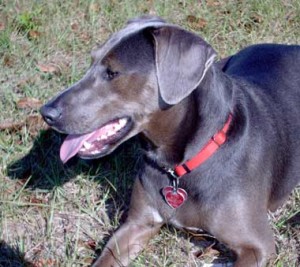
[
  {"x": 2, "y": 26},
  {"x": 191, "y": 19},
  {"x": 256, "y": 18},
  {"x": 85, "y": 37},
  {"x": 28, "y": 80},
  {"x": 208, "y": 252},
  {"x": 74, "y": 26},
  {"x": 213, "y": 3},
  {"x": 48, "y": 68},
  {"x": 88, "y": 261},
  {"x": 8, "y": 60},
  {"x": 34, "y": 34},
  {"x": 27, "y": 102},
  {"x": 36, "y": 200},
  {"x": 11, "y": 125},
  {"x": 94, "y": 7},
  {"x": 12, "y": 186},
  {"x": 35, "y": 123},
  {"x": 45, "y": 262},
  {"x": 196, "y": 23},
  {"x": 91, "y": 244},
  {"x": 22, "y": 181}
]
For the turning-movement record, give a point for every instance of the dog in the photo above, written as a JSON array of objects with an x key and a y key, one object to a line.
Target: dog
[{"x": 221, "y": 139}]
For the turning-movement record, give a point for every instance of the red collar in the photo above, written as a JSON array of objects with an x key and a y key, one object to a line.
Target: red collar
[
  {"x": 176, "y": 196},
  {"x": 206, "y": 152}
]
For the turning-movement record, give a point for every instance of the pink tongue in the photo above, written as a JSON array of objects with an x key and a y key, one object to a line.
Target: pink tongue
[{"x": 72, "y": 145}]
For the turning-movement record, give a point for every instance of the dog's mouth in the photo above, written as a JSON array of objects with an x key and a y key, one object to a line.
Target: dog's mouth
[{"x": 97, "y": 143}]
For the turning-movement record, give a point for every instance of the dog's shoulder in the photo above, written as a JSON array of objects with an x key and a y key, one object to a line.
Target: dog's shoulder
[
  {"x": 263, "y": 58},
  {"x": 271, "y": 67}
]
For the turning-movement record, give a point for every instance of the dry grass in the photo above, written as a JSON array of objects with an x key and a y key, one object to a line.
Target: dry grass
[{"x": 55, "y": 215}]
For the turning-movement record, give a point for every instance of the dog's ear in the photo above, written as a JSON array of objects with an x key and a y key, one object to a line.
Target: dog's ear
[{"x": 182, "y": 59}]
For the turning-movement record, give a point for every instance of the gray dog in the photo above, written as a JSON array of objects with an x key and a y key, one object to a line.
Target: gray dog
[{"x": 222, "y": 144}]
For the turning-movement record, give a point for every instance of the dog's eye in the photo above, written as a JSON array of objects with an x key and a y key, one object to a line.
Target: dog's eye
[{"x": 109, "y": 74}]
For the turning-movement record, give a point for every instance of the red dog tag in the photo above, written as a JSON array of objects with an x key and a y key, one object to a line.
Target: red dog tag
[{"x": 174, "y": 198}]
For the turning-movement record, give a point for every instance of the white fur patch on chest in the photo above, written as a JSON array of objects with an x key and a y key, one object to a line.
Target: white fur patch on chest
[
  {"x": 156, "y": 216},
  {"x": 178, "y": 225}
]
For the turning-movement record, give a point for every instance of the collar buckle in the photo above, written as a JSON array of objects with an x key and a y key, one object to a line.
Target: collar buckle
[
  {"x": 172, "y": 173},
  {"x": 219, "y": 138}
]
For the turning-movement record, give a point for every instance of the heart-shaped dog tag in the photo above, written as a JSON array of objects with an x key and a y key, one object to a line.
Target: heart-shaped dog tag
[{"x": 174, "y": 198}]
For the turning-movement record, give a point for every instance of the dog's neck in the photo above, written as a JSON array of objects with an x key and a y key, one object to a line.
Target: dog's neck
[{"x": 178, "y": 133}]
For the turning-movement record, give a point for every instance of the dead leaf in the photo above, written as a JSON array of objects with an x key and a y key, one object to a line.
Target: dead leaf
[
  {"x": 85, "y": 37},
  {"x": 74, "y": 26},
  {"x": 11, "y": 125},
  {"x": 36, "y": 200},
  {"x": 196, "y": 23},
  {"x": 94, "y": 7},
  {"x": 34, "y": 34},
  {"x": 28, "y": 80},
  {"x": 91, "y": 244},
  {"x": 45, "y": 262},
  {"x": 88, "y": 261},
  {"x": 191, "y": 19},
  {"x": 34, "y": 124},
  {"x": 48, "y": 68},
  {"x": 8, "y": 60},
  {"x": 256, "y": 18},
  {"x": 2, "y": 26},
  {"x": 12, "y": 186},
  {"x": 22, "y": 181},
  {"x": 27, "y": 102},
  {"x": 213, "y": 3},
  {"x": 208, "y": 252}
]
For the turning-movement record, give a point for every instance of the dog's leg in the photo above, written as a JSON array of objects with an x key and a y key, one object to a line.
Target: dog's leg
[
  {"x": 258, "y": 246},
  {"x": 248, "y": 234},
  {"x": 142, "y": 224}
]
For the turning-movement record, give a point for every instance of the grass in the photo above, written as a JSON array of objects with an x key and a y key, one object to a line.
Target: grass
[{"x": 55, "y": 215}]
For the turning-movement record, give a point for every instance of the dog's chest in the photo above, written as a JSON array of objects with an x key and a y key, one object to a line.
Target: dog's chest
[
  {"x": 191, "y": 215},
  {"x": 193, "y": 212}
]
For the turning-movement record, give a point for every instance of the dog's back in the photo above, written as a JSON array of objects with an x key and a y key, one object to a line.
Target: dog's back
[
  {"x": 272, "y": 72},
  {"x": 266, "y": 65}
]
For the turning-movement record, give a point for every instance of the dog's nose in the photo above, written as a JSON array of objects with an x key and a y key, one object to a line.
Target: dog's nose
[{"x": 50, "y": 114}]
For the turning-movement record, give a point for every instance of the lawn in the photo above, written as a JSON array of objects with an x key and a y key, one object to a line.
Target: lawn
[{"x": 61, "y": 215}]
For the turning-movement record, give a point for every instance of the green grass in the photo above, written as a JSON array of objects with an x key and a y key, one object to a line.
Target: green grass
[{"x": 55, "y": 215}]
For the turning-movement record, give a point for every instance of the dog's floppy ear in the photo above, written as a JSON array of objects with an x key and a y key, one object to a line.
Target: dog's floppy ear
[{"x": 182, "y": 59}]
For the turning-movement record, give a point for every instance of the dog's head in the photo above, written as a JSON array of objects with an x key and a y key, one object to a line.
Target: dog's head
[{"x": 147, "y": 66}]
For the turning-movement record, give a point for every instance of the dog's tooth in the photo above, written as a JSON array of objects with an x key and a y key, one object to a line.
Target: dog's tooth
[
  {"x": 122, "y": 122},
  {"x": 83, "y": 149},
  {"x": 103, "y": 137},
  {"x": 87, "y": 145},
  {"x": 96, "y": 152},
  {"x": 110, "y": 133},
  {"x": 117, "y": 127}
]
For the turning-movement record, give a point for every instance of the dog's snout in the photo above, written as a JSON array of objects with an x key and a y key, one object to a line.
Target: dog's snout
[{"x": 50, "y": 114}]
